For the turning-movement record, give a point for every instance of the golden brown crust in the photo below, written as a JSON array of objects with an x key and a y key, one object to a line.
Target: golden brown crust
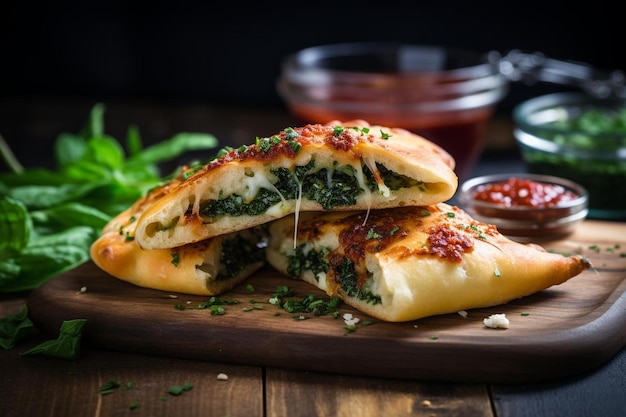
[
  {"x": 189, "y": 269},
  {"x": 177, "y": 219},
  {"x": 419, "y": 261}
]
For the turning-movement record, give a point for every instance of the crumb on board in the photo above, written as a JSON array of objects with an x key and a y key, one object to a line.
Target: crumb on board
[
  {"x": 496, "y": 321},
  {"x": 350, "y": 320},
  {"x": 222, "y": 377}
]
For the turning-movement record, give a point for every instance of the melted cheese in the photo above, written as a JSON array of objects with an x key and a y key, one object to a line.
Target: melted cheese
[
  {"x": 297, "y": 212},
  {"x": 382, "y": 188},
  {"x": 252, "y": 184},
  {"x": 368, "y": 194}
]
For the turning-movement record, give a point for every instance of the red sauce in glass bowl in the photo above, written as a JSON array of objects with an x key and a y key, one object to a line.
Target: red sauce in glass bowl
[
  {"x": 525, "y": 206},
  {"x": 461, "y": 133},
  {"x": 524, "y": 192}
]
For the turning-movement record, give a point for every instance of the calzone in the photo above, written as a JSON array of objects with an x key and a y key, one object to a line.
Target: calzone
[
  {"x": 407, "y": 263},
  {"x": 209, "y": 267},
  {"x": 335, "y": 167}
]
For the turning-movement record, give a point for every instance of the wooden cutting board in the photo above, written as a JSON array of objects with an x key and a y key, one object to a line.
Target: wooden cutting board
[{"x": 564, "y": 330}]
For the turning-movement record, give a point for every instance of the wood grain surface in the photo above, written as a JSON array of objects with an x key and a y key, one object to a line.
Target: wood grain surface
[{"x": 558, "y": 332}]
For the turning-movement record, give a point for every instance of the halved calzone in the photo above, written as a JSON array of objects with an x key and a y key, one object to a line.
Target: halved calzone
[
  {"x": 407, "y": 263},
  {"x": 349, "y": 166},
  {"x": 209, "y": 267}
]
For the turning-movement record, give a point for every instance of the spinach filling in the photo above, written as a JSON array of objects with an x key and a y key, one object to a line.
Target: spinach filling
[
  {"x": 236, "y": 254},
  {"x": 391, "y": 179},
  {"x": 303, "y": 260},
  {"x": 309, "y": 259},
  {"x": 349, "y": 284},
  {"x": 336, "y": 189}
]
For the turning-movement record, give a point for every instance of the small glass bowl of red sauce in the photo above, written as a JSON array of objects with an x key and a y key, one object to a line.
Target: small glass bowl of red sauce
[
  {"x": 447, "y": 95},
  {"x": 525, "y": 207}
]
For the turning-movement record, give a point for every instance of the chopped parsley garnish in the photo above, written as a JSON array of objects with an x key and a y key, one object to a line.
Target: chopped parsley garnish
[
  {"x": 295, "y": 146},
  {"x": 214, "y": 304},
  {"x": 284, "y": 298},
  {"x": 385, "y": 135},
  {"x": 175, "y": 258},
  {"x": 338, "y": 130},
  {"x": 291, "y": 133},
  {"x": 371, "y": 234},
  {"x": 109, "y": 387},
  {"x": 224, "y": 151},
  {"x": 179, "y": 389},
  {"x": 263, "y": 144}
]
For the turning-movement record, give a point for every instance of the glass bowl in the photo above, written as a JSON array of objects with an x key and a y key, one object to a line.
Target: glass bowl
[
  {"x": 583, "y": 139},
  {"x": 549, "y": 208},
  {"x": 445, "y": 95}
]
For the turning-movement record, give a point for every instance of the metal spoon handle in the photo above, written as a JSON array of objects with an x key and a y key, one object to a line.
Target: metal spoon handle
[{"x": 532, "y": 67}]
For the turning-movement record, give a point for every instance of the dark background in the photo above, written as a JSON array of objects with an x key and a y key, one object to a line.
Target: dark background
[
  {"x": 229, "y": 52},
  {"x": 169, "y": 66}
]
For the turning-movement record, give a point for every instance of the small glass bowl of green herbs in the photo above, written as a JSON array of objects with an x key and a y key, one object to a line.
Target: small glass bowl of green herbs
[{"x": 581, "y": 138}]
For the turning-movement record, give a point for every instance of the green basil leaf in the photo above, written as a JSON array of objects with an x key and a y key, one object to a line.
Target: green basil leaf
[
  {"x": 69, "y": 148},
  {"x": 66, "y": 345},
  {"x": 35, "y": 176},
  {"x": 105, "y": 150},
  {"x": 173, "y": 147},
  {"x": 9, "y": 271},
  {"x": 49, "y": 255},
  {"x": 44, "y": 196},
  {"x": 68, "y": 215},
  {"x": 68, "y": 207},
  {"x": 85, "y": 171},
  {"x": 95, "y": 122},
  {"x": 14, "y": 327},
  {"x": 15, "y": 225},
  {"x": 134, "y": 144},
  {"x": 112, "y": 198}
]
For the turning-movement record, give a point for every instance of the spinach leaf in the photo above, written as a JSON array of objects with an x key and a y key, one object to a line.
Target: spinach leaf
[
  {"x": 66, "y": 346},
  {"x": 15, "y": 225},
  {"x": 14, "y": 327},
  {"x": 50, "y": 217}
]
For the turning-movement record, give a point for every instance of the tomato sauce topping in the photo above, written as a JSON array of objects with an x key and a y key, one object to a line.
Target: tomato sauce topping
[
  {"x": 524, "y": 192},
  {"x": 447, "y": 243}
]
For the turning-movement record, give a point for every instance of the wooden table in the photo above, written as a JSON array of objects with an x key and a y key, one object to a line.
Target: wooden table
[{"x": 39, "y": 385}]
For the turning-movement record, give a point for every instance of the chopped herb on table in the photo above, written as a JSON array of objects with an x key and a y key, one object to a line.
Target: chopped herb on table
[{"x": 179, "y": 389}]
